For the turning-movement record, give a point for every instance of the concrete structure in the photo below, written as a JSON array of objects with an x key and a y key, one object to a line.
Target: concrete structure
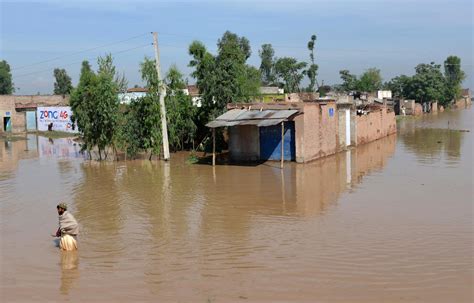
[
  {"x": 309, "y": 129},
  {"x": 384, "y": 94},
  {"x": 379, "y": 122},
  {"x": 132, "y": 94},
  {"x": 17, "y": 111},
  {"x": 465, "y": 100},
  {"x": 271, "y": 90},
  {"x": 193, "y": 91}
]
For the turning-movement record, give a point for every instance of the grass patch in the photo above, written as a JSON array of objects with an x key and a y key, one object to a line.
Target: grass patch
[
  {"x": 11, "y": 137},
  {"x": 54, "y": 134},
  {"x": 192, "y": 158}
]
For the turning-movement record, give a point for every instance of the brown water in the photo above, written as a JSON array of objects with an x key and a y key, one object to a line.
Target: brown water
[{"x": 390, "y": 221}]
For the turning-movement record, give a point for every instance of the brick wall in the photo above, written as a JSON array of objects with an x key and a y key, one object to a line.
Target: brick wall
[
  {"x": 418, "y": 111},
  {"x": 375, "y": 125},
  {"x": 434, "y": 107},
  {"x": 17, "y": 105},
  {"x": 320, "y": 130},
  {"x": 244, "y": 143}
]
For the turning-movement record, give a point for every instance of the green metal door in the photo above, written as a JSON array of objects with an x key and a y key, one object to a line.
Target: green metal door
[{"x": 30, "y": 120}]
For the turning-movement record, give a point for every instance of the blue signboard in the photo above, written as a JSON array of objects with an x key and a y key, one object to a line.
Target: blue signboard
[
  {"x": 331, "y": 112},
  {"x": 7, "y": 114}
]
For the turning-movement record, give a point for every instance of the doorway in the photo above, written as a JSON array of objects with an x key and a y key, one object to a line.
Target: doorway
[{"x": 7, "y": 124}]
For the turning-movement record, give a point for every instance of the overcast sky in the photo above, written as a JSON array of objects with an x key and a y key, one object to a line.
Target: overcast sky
[{"x": 392, "y": 35}]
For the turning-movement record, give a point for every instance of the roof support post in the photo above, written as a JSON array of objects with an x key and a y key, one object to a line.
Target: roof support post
[
  {"x": 213, "y": 147},
  {"x": 282, "y": 144}
]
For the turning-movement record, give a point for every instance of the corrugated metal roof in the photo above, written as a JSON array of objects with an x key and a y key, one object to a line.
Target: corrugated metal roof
[{"x": 251, "y": 117}]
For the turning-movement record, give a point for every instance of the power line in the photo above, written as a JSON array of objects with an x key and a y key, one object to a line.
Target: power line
[
  {"x": 78, "y": 62},
  {"x": 79, "y": 52}
]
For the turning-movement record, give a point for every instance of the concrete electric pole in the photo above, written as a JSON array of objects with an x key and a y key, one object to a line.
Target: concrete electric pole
[{"x": 164, "y": 125}]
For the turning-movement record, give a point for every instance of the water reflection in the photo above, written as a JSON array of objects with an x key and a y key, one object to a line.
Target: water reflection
[
  {"x": 98, "y": 206},
  {"x": 320, "y": 183},
  {"x": 11, "y": 152},
  {"x": 430, "y": 144},
  {"x": 69, "y": 270}
]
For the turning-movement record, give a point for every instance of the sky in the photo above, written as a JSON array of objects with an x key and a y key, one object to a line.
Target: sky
[{"x": 391, "y": 35}]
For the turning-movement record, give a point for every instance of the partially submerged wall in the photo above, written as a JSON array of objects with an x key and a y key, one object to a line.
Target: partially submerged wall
[
  {"x": 244, "y": 143},
  {"x": 320, "y": 124},
  {"x": 375, "y": 125},
  {"x": 15, "y": 107}
]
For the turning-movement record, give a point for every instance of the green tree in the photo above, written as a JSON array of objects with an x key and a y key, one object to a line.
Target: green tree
[
  {"x": 370, "y": 81},
  {"x": 312, "y": 71},
  {"x": 223, "y": 78},
  {"x": 400, "y": 86},
  {"x": 428, "y": 84},
  {"x": 267, "y": 64},
  {"x": 147, "y": 110},
  {"x": 290, "y": 72},
  {"x": 349, "y": 81},
  {"x": 231, "y": 70},
  {"x": 82, "y": 103},
  {"x": 95, "y": 106},
  {"x": 6, "y": 83},
  {"x": 180, "y": 110},
  {"x": 454, "y": 76},
  {"x": 63, "y": 84}
]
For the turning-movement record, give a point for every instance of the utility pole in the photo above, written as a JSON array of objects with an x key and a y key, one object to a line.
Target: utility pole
[{"x": 164, "y": 125}]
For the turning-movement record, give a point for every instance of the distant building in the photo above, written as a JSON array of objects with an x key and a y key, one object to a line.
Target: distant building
[
  {"x": 132, "y": 94},
  {"x": 384, "y": 94},
  {"x": 20, "y": 113},
  {"x": 465, "y": 100},
  {"x": 309, "y": 129},
  {"x": 193, "y": 91},
  {"x": 271, "y": 90}
]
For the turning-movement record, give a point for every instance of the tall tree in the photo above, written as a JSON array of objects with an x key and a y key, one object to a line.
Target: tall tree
[
  {"x": 312, "y": 71},
  {"x": 6, "y": 83},
  {"x": 82, "y": 103},
  {"x": 180, "y": 110},
  {"x": 454, "y": 76},
  {"x": 95, "y": 106},
  {"x": 370, "y": 81},
  {"x": 63, "y": 84},
  {"x": 400, "y": 86},
  {"x": 223, "y": 78},
  {"x": 231, "y": 70},
  {"x": 148, "y": 110},
  {"x": 349, "y": 81},
  {"x": 290, "y": 72},
  {"x": 267, "y": 65},
  {"x": 428, "y": 84}
]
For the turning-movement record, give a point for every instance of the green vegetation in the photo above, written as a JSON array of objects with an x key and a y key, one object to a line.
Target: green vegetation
[
  {"x": 222, "y": 78},
  {"x": 63, "y": 84},
  {"x": 6, "y": 83},
  {"x": 369, "y": 81},
  {"x": 290, "y": 72},
  {"x": 95, "y": 106},
  {"x": 267, "y": 67},
  {"x": 429, "y": 83},
  {"x": 312, "y": 71}
]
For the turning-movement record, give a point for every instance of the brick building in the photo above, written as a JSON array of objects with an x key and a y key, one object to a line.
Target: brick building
[
  {"x": 309, "y": 129},
  {"x": 18, "y": 113}
]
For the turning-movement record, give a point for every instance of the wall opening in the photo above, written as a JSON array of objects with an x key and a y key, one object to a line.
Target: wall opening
[{"x": 7, "y": 124}]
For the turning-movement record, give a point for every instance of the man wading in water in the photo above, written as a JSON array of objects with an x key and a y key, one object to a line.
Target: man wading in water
[{"x": 68, "y": 228}]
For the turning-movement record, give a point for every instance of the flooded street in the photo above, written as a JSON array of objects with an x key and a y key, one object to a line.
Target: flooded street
[{"x": 389, "y": 221}]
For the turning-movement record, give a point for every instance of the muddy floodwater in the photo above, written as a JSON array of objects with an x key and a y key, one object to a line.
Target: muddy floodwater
[{"x": 389, "y": 221}]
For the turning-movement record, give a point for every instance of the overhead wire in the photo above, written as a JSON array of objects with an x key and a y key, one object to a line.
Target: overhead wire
[
  {"x": 79, "y": 52},
  {"x": 78, "y": 62}
]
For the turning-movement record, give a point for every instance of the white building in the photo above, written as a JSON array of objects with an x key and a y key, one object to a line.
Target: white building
[{"x": 132, "y": 94}]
